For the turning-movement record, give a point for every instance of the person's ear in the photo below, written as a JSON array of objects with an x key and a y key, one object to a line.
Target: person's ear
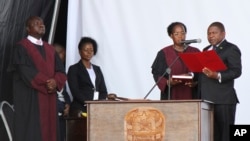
[
  {"x": 224, "y": 34},
  {"x": 28, "y": 29},
  {"x": 171, "y": 36}
]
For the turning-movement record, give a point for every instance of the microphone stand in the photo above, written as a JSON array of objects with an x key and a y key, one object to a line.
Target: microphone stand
[
  {"x": 169, "y": 76},
  {"x": 169, "y": 70},
  {"x": 155, "y": 84}
]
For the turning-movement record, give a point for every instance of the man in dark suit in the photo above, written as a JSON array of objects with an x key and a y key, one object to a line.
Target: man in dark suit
[{"x": 218, "y": 87}]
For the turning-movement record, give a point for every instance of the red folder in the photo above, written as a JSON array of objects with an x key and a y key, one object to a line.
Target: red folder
[{"x": 197, "y": 61}]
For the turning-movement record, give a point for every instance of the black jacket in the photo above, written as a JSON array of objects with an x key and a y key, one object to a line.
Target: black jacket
[
  {"x": 223, "y": 92},
  {"x": 81, "y": 86}
]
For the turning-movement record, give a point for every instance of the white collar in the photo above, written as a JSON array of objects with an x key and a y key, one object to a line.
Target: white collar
[{"x": 34, "y": 40}]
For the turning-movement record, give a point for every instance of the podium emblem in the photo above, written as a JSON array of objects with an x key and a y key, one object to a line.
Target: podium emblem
[{"x": 144, "y": 124}]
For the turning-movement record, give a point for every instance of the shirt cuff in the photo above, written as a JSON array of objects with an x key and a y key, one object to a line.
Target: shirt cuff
[{"x": 219, "y": 77}]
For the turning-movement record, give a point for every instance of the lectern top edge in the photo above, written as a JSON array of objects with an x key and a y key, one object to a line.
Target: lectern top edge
[{"x": 147, "y": 101}]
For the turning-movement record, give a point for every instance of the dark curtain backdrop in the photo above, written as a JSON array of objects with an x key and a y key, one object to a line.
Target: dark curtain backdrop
[
  {"x": 13, "y": 14},
  {"x": 61, "y": 28}
]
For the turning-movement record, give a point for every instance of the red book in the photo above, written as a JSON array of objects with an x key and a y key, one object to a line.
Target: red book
[{"x": 197, "y": 61}]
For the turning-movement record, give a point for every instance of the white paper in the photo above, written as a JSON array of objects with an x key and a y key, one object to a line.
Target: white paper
[{"x": 96, "y": 95}]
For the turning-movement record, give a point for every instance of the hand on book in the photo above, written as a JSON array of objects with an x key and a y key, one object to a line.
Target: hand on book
[
  {"x": 174, "y": 82},
  {"x": 186, "y": 79},
  {"x": 191, "y": 83},
  {"x": 209, "y": 73}
]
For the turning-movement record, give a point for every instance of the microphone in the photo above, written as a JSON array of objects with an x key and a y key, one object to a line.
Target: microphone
[{"x": 190, "y": 41}]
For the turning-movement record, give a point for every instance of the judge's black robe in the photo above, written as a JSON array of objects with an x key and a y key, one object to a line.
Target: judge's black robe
[
  {"x": 165, "y": 58},
  {"x": 35, "y": 109}
]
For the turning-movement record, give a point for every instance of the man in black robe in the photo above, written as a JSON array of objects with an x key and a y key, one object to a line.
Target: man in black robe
[{"x": 38, "y": 74}]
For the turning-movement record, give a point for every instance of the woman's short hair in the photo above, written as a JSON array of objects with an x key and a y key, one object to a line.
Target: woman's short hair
[
  {"x": 87, "y": 40},
  {"x": 170, "y": 28}
]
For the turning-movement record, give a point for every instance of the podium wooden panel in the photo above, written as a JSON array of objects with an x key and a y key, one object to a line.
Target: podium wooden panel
[{"x": 184, "y": 120}]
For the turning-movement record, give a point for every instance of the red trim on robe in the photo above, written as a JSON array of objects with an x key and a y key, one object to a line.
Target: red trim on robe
[{"x": 162, "y": 83}]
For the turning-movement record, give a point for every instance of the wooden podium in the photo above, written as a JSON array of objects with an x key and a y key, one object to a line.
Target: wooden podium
[{"x": 144, "y": 120}]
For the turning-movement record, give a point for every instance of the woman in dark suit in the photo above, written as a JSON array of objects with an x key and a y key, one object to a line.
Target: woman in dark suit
[{"x": 86, "y": 81}]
